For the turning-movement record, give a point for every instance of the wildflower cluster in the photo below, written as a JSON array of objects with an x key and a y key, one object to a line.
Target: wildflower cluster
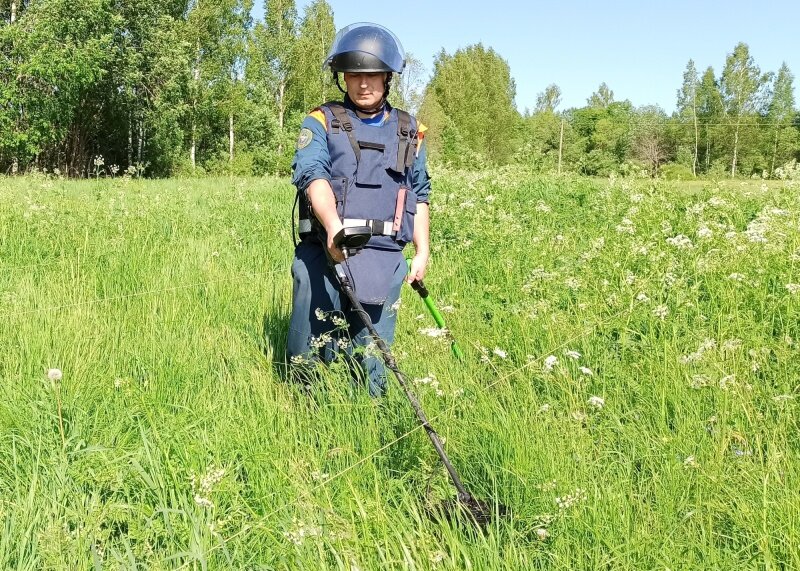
[
  {"x": 203, "y": 486},
  {"x": 572, "y": 499}
]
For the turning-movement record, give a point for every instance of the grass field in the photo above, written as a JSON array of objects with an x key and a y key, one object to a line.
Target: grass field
[{"x": 630, "y": 387}]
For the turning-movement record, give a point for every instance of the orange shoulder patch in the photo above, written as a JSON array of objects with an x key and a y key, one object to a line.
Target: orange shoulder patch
[
  {"x": 421, "y": 131},
  {"x": 319, "y": 116}
]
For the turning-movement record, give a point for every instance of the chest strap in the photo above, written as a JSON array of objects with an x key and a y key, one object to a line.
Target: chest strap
[{"x": 341, "y": 120}]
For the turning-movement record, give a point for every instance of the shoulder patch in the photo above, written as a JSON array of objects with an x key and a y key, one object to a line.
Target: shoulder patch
[
  {"x": 319, "y": 116},
  {"x": 305, "y": 138}
]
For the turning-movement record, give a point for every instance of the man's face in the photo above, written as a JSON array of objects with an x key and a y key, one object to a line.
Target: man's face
[{"x": 365, "y": 89}]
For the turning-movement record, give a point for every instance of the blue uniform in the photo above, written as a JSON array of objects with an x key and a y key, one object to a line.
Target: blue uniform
[{"x": 372, "y": 188}]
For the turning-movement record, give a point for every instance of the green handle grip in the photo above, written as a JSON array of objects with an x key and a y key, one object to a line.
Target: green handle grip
[{"x": 419, "y": 287}]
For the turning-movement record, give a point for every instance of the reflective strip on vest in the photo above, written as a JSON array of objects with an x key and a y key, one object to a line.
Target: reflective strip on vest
[{"x": 379, "y": 227}]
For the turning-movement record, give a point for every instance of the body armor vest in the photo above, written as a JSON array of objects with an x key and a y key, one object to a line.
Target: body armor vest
[{"x": 370, "y": 176}]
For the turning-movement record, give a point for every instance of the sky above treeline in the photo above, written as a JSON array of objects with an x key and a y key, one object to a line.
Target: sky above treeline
[{"x": 640, "y": 49}]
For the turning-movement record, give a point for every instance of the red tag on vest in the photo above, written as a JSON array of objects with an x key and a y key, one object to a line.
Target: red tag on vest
[{"x": 399, "y": 209}]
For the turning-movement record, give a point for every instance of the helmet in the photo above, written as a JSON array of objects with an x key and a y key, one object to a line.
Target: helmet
[{"x": 365, "y": 47}]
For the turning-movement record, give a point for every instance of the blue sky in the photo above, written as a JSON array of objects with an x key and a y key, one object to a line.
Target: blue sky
[{"x": 639, "y": 48}]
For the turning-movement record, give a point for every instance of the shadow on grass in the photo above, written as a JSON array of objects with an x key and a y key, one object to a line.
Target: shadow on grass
[{"x": 276, "y": 333}]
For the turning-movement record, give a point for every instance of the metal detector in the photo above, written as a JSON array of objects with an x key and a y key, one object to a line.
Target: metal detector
[{"x": 350, "y": 241}]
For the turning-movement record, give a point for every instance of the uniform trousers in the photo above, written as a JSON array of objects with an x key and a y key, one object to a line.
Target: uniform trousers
[{"x": 317, "y": 299}]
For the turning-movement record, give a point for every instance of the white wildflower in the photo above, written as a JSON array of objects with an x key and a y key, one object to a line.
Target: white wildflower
[
  {"x": 550, "y": 362},
  {"x": 691, "y": 463},
  {"x": 544, "y": 408},
  {"x": 55, "y": 375},
  {"x": 704, "y": 233},
  {"x": 731, "y": 345},
  {"x": 727, "y": 382},
  {"x": 203, "y": 502},
  {"x": 500, "y": 353},
  {"x": 596, "y": 402},
  {"x": 737, "y": 277},
  {"x": 301, "y": 531},
  {"x": 793, "y": 288},
  {"x": 319, "y": 314},
  {"x": 642, "y": 297},
  {"x": 542, "y": 534},
  {"x": 681, "y": 242},
  {"x": 570, "y": 500},
  {"x": 586, "y": 371},
  {"x": 572, "y": 354},
  {"x": 661, "y": 312},
  {"x": 433, "y": 331}
]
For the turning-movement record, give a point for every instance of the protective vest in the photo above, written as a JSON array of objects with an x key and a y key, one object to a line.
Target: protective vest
[{"x": 370, "y": 176}]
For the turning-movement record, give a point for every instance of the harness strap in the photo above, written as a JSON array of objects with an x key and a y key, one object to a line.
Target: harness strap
[
  {"x": 342, "y": 120},
  {"x": 407, "y": 142}
]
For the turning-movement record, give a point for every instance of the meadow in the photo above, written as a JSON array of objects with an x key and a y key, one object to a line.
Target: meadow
[{"x": 630, "y": 384}]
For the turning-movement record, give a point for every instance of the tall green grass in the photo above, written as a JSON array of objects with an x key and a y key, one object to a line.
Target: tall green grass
[{"x": 661, "y": 433}]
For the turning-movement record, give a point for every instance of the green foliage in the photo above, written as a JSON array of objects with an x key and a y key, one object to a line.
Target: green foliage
[
  {"x": 310, "y": 85},
  {"x": 677, "y": 171},
  {"x": 474, "y": 90},
  {"x": 742, "y": 87},
  {"x": 176, "y": 86},
  {"x": 629, "y": 387}
]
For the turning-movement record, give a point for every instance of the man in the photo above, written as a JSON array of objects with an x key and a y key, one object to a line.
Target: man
[{"x": 357, "y": 163}]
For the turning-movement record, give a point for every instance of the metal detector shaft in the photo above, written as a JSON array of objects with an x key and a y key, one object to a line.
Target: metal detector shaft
[{"x": 388, "y": 358}]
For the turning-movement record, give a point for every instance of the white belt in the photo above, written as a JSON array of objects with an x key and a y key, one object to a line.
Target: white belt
[{"x": 379, "y": 227}]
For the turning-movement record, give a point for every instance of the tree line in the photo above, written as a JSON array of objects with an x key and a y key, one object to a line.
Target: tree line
[{"x": 174, "y": 87}]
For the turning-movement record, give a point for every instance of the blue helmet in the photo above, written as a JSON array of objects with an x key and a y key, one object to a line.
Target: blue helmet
[{"x": 365, "y": 47}]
